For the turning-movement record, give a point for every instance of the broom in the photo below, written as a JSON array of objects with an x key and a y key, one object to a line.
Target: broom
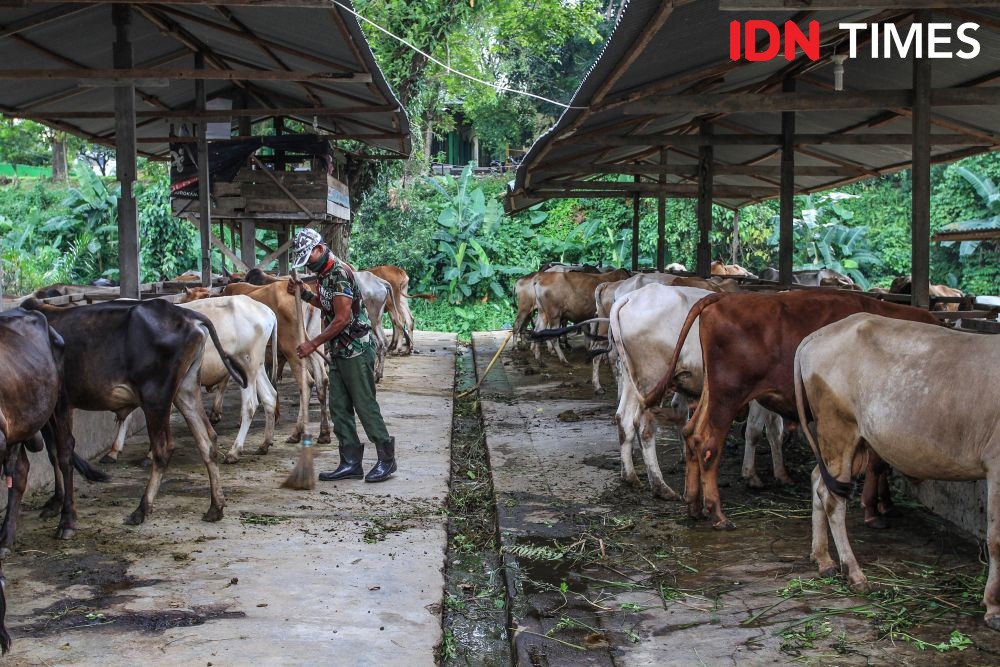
[{"x": 303, "y": 475}]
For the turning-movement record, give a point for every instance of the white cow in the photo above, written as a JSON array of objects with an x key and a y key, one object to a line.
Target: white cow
[
  {"x": 244, "y": 327},
  {"x": 924, "y": 398},
  {"x": 645, "y": 325},
  {"x": 376, "y": 294}
]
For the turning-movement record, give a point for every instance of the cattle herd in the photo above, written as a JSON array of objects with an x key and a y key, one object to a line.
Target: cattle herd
[
  {"x": 861, "y": 378},
  {"x": 154, "y": 355},
  {"x": 855, "y": 374}
]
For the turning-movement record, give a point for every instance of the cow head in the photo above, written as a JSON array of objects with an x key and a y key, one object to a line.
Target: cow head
[{"x": 194, "y": 293}]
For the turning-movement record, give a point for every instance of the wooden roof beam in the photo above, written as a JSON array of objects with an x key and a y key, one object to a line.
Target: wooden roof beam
[
  {"x": 729, "y": 103},
  {"x": 117, "y": 77},
  {"x": 694, "y": 140},
  {"x": 820, "y": 5}
]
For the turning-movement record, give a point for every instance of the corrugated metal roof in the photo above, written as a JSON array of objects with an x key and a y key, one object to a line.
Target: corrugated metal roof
[
  {"x": 272, "y": 37},
  {"x": 660, "y": 50}
]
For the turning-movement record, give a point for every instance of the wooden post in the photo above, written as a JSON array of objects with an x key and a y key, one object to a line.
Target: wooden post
[
  {"x": 279, "y": 156},
  {"x": 635, "y": 228},
  {"x": 244, "y": 125},
  {"x": 125, "y": 168},
  {"x": 735, "y": 248},
  {"x": 661, "y": 218},
  {"x": 204, "y": 192},
  {"x": 920, "y": 218},
  {"x": 787, "y": 196},
  {"x": 283, "y": 258},
  {"x": 248, "y": 251},
  {"x": 705, "y": 176}
]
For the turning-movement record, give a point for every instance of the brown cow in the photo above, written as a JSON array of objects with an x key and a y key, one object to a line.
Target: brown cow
[
  {"x": 568, "y": 296},
  {"x": 904, "y": 285},
  {"x": 749, "y": 342},
  {"x": 313, "y": 371},
  {"x": 720, "y": 269},
  {"x": 398, "y": 307}
]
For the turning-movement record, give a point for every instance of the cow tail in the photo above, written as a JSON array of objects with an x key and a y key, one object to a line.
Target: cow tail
[
  {"x": 835, "y": 486},
  {"x": 653, "y": 399},
  {"x": 546, "y": 334},
  {"x": 88, "y": 471},
  {"x": 615, "y": 336},
  {"x": 274, "y": 353},
  {"x": 236, "y": 370},
  {"x": 429, "y": 297}
]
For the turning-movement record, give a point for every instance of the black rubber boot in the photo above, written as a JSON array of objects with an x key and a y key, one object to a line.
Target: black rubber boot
[
  {"x": 386, "y": 462},
  {"x": 350, "y": 465}
]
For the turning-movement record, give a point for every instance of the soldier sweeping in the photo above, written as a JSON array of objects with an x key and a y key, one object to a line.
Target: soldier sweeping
[{"x": 348, "y": 333}]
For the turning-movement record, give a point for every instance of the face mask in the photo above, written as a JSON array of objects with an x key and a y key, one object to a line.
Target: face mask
[{"x": 319, "y": 265}]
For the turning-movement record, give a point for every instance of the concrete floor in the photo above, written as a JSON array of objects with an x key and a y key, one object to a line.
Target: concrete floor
[
  {"x": 346, "y": 574},
  {"x": 603, "y": 574}
]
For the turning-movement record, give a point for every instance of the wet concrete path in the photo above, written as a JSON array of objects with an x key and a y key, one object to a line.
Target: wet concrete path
[
  {"x": 347, "y": 574},
  {"x": 600, "y": 573}
]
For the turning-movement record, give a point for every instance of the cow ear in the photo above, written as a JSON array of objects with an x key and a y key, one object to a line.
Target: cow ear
[{"x": 187, "y": 290}]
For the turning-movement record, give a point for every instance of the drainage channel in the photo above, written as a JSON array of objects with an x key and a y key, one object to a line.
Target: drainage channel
[{"x": 476, "y": 616}]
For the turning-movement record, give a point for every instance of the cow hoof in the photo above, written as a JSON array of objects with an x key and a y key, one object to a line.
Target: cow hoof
[
  {"x": 146, "y": 462},
  {"x": 49, "y": 512},
  {"x": 230, "y": 458},
  {"x": 877, "y": 523},
  {"x": 784, "y": 480},
  {"x": 107, "y": 458},
  {"x": 4, "y": 553},
  {"x": 754, "y": 482},
  {"x": 892, "y": 512},
  {"x": 215, "y": 417},
  {"x": 993, "y": 623},
  {"x": 828, "y": 571},
  {"x": 600, "y": 391},
  {"x": 724, "y": 524},
  {"x": 65, "y": 533},
  {"x": 860, "y": 586},
  {"x": 323, "y": 439},
  {"x": 263, "y": 449},
  {"x": 213, "y": 514},
  {"x": 293, "y": 438},
  {"x": 135, "y": 518},
  {"x": 665, "y": 493}
]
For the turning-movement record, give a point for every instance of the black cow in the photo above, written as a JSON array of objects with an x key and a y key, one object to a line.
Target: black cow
[
  {"x": 30, "y": 364},
  {"x": 123, "y": 355}
]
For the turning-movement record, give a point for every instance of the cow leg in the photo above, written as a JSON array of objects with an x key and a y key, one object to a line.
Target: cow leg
[
  {"x": 991, "y": 596},
  {"x": 65, "y": 445},
  {"x": 647, "y": 439},
  {"x": 709, "y": 439},
  {"x": 19, "y": 474},
  {"x": 774, "y": 426},
  {"x": 820, "y": 553},
  {"x": 269, "y": 398},
  {"x": 248, "y": 406},
  {"x": 836, "y": 512},
  {"x": 753, "y": 431},
  {"x": 119, "y": 444},
  {"x": 161, "y": 447},
  {"x": 628, "y": 425},
  {"x": 322, "y": 379},
  {"x": 595, "y": 375},
  {"x": 188, "y": 401},
  {"x": 220, "y": 392},
  {"x": 299, "y": 373}
]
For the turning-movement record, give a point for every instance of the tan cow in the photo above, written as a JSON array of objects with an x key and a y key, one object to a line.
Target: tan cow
[
  {"x": 399, "y": 308},
  {"x": 874, "y": 382},
  {"x": 903, "y": 285},
  {"x": 568, "y": 296},
  {"x": 311, "y": 373},
  {"x": 720, "y": 269}
]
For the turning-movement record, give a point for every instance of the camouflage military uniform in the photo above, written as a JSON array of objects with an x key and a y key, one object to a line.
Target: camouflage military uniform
[{"x": 352, "y": 367}]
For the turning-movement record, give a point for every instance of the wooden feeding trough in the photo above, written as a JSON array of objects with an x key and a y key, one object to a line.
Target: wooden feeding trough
[{"x": 250, "y": 192}]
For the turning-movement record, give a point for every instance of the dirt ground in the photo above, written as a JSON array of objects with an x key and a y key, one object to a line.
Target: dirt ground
[
  {"x": 350, "y": 573},
  {"x": 600, "y": 573}
]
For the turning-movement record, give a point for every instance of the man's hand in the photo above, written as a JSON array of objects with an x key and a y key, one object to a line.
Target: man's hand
[
  {"x": 293, "y": 285},
  {"x": 306, "y": 348}
]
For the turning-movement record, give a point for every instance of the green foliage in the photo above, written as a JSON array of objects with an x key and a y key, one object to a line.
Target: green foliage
[
  {"x": 168, "y": 246},
  {"x": 467, "y": 221},
  {"x": 463, "y": 320},
  {"x": 22, "y": 142},
  {"x": 822, "y": 240}
]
